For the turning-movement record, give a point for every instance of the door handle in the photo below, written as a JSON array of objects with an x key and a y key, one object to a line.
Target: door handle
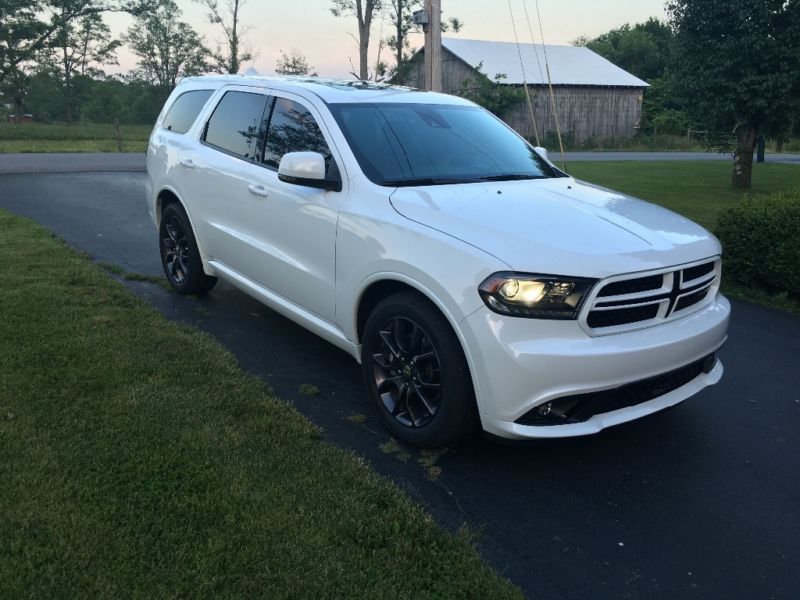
[
  {"x": 258, "y": 190},
  {"x": 188, "y": 163}
]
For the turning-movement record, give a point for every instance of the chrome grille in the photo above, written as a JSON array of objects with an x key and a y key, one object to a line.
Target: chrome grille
[{"x": 631, "y": 302}]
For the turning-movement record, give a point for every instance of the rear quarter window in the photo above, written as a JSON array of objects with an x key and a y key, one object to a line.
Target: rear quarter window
[{"x": 181, "y": 115}]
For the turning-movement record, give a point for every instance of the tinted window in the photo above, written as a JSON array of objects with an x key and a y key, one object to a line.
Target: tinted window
[
  {"x": 184, "y": 110},
  {"x": 427, "y": 144},
  {"x": 235, "y": 122},
  {"x": 293, "y": 129}
]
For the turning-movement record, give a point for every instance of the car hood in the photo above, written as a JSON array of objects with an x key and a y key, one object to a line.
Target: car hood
[{"x": 558, "y": 226}]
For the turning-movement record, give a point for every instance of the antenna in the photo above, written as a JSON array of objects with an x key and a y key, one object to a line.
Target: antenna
[
  {"x": 524, "y": 78},
  {"x": 549, "y": 80}
]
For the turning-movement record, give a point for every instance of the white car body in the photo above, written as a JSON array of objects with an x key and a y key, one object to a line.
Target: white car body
[{"x": 312, "y": 255}]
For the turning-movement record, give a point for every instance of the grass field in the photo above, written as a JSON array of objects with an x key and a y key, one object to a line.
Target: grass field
[
  {"x": 700, "y": 190},
  {"x": 84, "y": 137},
  {"x": 138, "y": 460}
]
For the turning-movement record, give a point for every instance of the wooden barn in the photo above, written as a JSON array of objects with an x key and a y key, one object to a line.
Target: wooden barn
[{"x": 594, "y": 98}]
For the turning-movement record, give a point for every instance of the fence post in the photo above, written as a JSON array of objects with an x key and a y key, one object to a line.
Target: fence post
[{"x": 119, "y": 135}]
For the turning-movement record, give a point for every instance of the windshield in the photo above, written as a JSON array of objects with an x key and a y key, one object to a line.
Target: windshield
[{"x": 400, "y": 144}]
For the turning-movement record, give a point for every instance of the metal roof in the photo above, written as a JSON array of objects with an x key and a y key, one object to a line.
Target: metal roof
[{"x": 569, "y": 65}]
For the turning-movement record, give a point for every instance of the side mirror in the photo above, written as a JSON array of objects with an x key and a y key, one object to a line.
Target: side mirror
[
  {"x": 308, "y": 169},
  {"x": 542, "y": 152}
]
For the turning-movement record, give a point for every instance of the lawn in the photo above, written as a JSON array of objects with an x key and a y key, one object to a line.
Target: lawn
[
  {"x": 78, "y": 137},
  {"x": 700, "y": 190},
  {"x": 137, "y": 459}
]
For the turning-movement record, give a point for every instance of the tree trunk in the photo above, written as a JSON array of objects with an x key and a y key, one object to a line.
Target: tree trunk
[
  {"x": 779, "y": 143},
  {"x": 233, "y": 66},
  {"x": 364, "y": 16},
  {"x": 399, "y": 11},
  {"x": 18, "y": 108},
  {"x": 743, "y": 159},
  {"x": 363, "y": 59},
  {"x": 67, "y": 91}
]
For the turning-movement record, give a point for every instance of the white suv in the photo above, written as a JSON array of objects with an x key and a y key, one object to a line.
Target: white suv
[{"x": 474, "y": 281}]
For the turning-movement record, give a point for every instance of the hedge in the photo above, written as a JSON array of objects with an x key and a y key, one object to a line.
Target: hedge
[{"x": 761, "y": 242}]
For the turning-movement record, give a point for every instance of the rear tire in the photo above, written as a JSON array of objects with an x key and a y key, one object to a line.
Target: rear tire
[
  {"x": 179, "y": 254},
  {"x": 416, "y": 373}
]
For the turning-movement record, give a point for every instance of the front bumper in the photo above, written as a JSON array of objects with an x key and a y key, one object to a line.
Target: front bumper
[{"x": 519, "y": 364}]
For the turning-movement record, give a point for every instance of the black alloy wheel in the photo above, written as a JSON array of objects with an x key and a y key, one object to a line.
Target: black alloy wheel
[
  {"x": 179, "y": 254},
  {"x": 416, "y": 373},
  {"x": 407, "y": 372},
  {"x": 176, "y": 253}
]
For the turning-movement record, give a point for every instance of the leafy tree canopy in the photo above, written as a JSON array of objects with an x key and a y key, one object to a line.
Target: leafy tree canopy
[
  {"x": 166, "y": 47},
  {"x": 738, "y": 62},
  {"x": 643, "y": 49},
  {"x": 293, "y": 62}
]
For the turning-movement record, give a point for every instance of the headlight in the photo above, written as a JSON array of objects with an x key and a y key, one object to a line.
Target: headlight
[{"x": 535, "y": 296}]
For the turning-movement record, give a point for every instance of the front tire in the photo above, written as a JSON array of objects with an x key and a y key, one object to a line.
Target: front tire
[
  {"x": 179, "y": 254},
  {"x": 416, "y": 373}
]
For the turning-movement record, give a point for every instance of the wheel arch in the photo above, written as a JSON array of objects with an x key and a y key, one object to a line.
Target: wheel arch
[
  {"x": 388, "y": 284},
  {"x": 167, "y": 196},
  {"x": 381, "y": 286}
]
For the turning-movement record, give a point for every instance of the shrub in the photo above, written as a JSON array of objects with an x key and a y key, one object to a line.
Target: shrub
[{"x": 761, "y": 241}]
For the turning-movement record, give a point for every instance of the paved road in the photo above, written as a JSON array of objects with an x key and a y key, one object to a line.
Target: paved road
[
  {"x": 661, "y": 156},
  {"x": 697, "y": 502},
  {"x": 59, "y": 162},
  {"x": 134, "y": 162}
]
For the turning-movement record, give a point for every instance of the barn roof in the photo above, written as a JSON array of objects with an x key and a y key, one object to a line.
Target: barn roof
[{"x": 569, "y": 65}]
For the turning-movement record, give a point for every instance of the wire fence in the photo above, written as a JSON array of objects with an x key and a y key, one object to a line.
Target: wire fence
[{"x": 718, "y": 141}]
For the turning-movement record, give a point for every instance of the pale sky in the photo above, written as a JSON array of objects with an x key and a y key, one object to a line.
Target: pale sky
[{"x": 326, "y": 41}]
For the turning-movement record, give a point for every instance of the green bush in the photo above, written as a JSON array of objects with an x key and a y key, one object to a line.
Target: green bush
[{"x": 761, "y": 242}]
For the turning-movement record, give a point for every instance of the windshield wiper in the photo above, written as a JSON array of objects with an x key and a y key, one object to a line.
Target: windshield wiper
[
  {"x": 424, "y": 181},
  {"x": 510, "y": 177},
  {"x": 452, "y": 180}
]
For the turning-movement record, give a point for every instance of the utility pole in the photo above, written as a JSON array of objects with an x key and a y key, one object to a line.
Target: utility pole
[{"x": 433, "y": 45}]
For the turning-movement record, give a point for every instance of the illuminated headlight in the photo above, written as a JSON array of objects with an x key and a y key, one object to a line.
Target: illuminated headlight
[{"x": 535, "y": 296}]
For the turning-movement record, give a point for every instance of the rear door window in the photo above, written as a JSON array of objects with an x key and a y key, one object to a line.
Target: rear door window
[
  {"x": 183, "y": 112},
  {"x": 292, "y": 128},
  {"x": 235, "y": 123}
]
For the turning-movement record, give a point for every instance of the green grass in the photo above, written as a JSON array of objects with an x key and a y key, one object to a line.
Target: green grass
[
  {"x": 137, "y": 459},
  {"x": 78, "y": 137},
  {"x": 700, "y": 190}
]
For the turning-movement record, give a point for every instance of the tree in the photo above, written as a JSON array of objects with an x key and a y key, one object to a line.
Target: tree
[
  {"x": 402, "y": 25},
  {"x": 292, "y": 63},
  {"x": 229, "y": 19},
  {"x": 364, "y": 11},
  {"x": 23, "y": 35},
  {"x": 491, "y": 94},
  {"x": 644, "y": 49},
  {"x": 581, "y": 41},
  {"x": 401, "y": 12},
  {"x": 738, "y": 62},
  {"x": 77, "y": 48},
  {"x": 166, "y": 47}
]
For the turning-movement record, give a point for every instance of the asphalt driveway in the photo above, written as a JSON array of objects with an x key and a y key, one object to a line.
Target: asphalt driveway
[{"x": 699, "y": 501}]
